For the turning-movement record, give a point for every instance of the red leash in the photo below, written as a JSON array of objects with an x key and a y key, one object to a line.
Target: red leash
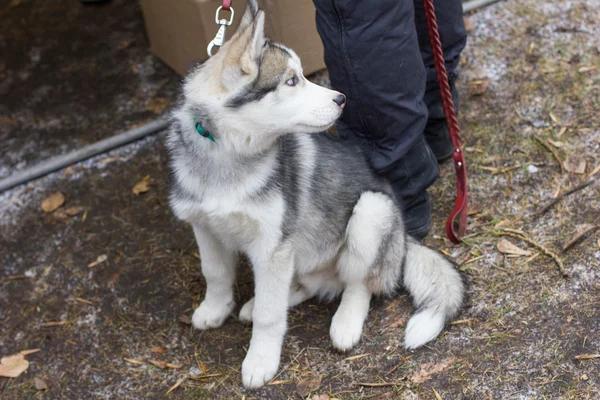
[
  {"x": 456, "y": 224},
  {"x": 226, "y": 4}
]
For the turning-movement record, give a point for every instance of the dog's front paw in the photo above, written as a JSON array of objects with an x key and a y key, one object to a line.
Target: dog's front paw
[
  {"x": 211, "y": 315},
  {"x": 246, "y": 311},
  {"x": 259, "y": 367},
  {"x": 345, "y": 330}
]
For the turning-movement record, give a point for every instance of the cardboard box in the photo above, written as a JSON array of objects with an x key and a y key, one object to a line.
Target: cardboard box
[{"x": 180, "y": 30}]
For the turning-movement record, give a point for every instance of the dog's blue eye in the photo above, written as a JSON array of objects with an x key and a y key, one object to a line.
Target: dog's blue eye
[{"x": 292, "y": 81}]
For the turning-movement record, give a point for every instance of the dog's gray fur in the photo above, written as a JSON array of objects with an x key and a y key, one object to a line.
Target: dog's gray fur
[{"x": 305, "y": 207}]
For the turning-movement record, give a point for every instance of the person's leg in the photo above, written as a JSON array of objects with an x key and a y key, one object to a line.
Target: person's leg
[
  {"x": 454, "y": 38},
  {"x": 373, "y": 56}
]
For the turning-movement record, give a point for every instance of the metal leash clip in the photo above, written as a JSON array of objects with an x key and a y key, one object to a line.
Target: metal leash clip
[{"x": 219, "y": 39}]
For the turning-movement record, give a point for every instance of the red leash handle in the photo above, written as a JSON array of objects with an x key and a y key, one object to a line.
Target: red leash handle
[
  {"x": 226, "y": 5},
  {"x": 456, "y": 224}
]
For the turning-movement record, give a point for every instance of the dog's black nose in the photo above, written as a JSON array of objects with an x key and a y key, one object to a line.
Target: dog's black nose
[{"x": 340, "y": 100}]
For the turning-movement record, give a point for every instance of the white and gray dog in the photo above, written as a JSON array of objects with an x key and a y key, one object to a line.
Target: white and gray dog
[{"x": 252, "y": 174}]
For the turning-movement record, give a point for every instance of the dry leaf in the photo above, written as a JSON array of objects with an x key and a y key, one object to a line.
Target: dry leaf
[
  {"x": 506, "y": 247},
  {"x": 7, "y": 121},
  {"x": 437, "y": 395},
  {"x": 580, "y": 232},
  {"x": 173, "y": 366},
  {"x": 599, "y": 243},
  {"x": 65, "y": 213},
  {"x": 133, "y": 361},
  {"x": 477, "y": 88},
  {"x": 68, "y": 170},
  {"x": 159, "y": 364},
  {"x": 157, "y": 105},
  {"x": 72, "y": 211},
  {"x": 101, "y": 258},
  {"x": 53, "y": 201},
  {"x": 203, "y": 368},
  {"x": 587, "y": 356},
  {"x": 13, "y": 366},
  {"x": 184, "y": 319},
  {"x": 575, "y": 164},
  {"x": 595, "y": 170},
  {"x": 398, "y": 323},
  {"x": 142, "y": 186},
  {"x": 305, "y": 386},
  {"x": 428, "y": 370},
  {"x": 475, "y": 209},
  {"x": 159, "y": 349},
  {"x": 40, "y": 384},
  {"x": 323, "y": 396},
  {"x": 469, "y": 25}
]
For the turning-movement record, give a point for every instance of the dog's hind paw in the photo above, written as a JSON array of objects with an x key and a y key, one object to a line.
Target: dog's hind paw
[
  {"x": 259, "y": 368},
  {"x": 246, "y": 311},
  {"x": 211, "y": 315}
]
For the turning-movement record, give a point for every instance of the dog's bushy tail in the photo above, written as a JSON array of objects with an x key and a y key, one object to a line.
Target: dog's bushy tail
[{"x": 437, "y": 291}]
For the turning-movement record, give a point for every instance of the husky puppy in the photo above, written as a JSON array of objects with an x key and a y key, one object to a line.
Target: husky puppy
[{"x": 252, "y": 174}]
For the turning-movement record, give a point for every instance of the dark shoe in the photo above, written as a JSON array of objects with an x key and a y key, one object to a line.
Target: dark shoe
[
  {"x": 436, "y": 131},
  {"x": 438, "y": 139},
  {"x": 417, "y": 216}
]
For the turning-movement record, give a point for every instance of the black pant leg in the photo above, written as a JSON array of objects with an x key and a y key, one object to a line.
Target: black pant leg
[{"x": 373, "y": 56}]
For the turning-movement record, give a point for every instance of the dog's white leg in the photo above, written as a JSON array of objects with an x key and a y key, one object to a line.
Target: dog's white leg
[
  {"x": 218, "y": 268},
  {"x": 298, "y": 296},
  {"x": 269, "y": 316},
  {"x": 347, "y": 323}
]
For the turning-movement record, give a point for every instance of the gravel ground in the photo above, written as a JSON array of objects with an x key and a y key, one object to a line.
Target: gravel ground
[{"x": 531, "y": 90}]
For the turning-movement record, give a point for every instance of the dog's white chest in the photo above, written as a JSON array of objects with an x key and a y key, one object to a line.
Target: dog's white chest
[
  {"x": 236, "y": 224},
  {"x": 236, "y": 229}
]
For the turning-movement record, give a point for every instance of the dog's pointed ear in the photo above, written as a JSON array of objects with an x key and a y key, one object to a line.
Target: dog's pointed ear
[
  {"x": 244, "y": 50},
  {"x": 249, "y": 15},
  {"x": 251, "y": 55}
]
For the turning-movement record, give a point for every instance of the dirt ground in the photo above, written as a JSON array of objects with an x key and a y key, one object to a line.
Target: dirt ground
[{"x": 119, "y": 328}]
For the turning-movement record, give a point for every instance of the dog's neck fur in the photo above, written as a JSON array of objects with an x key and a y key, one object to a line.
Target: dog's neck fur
[
  {"x": 228, "y": 160},
  {"x": 234, "y": 141}
]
